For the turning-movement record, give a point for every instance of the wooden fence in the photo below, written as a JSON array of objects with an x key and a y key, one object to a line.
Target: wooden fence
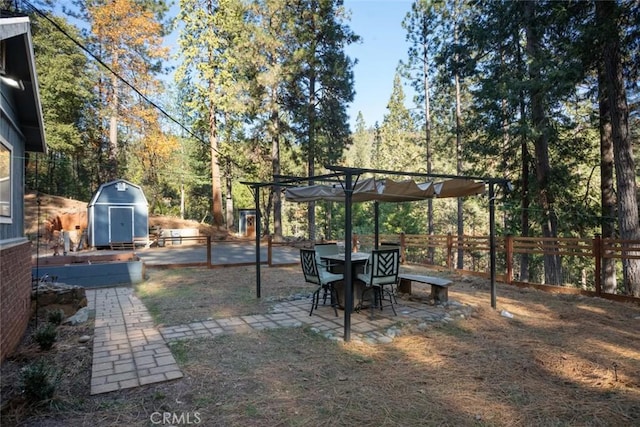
[{"x": 581, "y": 258}]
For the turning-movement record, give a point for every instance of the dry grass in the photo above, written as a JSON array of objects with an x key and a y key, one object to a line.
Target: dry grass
[
  {"x": 179, "y": 296},
  {"x": 562, "y": 360}
]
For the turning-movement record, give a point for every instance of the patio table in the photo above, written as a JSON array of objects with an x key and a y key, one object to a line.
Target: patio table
[{"x": 336, "y": 264}]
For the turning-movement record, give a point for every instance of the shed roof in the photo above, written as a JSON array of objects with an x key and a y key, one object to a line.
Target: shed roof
[{"x": 104, "y": 197}]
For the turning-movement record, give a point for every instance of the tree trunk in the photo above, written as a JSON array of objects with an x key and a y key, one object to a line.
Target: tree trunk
[
  {"x": 266, "y": 215},
  {"x": 624, "y": 163},
  {"x": 216, "y": 184},
  {"x": 113, "y": 129},
  {"x": 460, "y": 219},
  {"x": 311, "y": 214},
  {"x": 525, "y": 200},
  {"x": 427, "y": 129},
  {"x": 607, "y": 191},
  {"x": 229, "y": 202},
  {"x": 275, "y": 168},
  {"x": 552, "y": 261}
]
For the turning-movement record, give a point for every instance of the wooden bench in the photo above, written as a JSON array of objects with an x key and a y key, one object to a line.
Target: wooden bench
[{"x": 439, "y": 286}]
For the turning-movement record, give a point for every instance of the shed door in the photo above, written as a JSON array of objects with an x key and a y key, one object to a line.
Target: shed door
[
  {"x": 120, "y": 224},
  {"x": 251, "y": 226}
]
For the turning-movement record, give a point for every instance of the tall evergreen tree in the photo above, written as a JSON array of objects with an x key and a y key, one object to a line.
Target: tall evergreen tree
[
  {"x": 322, "y": 84},
  {"x": 359, "y": 154},
  {"x": 523, "y": 91},
  {"x": 65, "y": 78},
  {"x": 213, "y": 40},
  {"x": 541, "y": 128},
  {"x": 399, "y": 146},
  {"x": 422, "y": 25},
  {"x": 615, "y": 112},
  {"x": 273, "y": 43}
]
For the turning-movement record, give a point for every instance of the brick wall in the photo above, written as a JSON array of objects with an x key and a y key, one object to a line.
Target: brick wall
[{"x": 15, "y": 295}]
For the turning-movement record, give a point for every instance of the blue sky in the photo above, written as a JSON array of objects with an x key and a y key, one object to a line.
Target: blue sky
[{"x": 378, "y": 23}]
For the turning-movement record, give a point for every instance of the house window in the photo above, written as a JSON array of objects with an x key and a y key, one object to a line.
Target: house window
[{"x": 5, "y": 182}]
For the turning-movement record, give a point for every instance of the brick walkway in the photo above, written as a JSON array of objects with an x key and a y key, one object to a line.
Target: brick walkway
[{"x": 128, "y": 351}]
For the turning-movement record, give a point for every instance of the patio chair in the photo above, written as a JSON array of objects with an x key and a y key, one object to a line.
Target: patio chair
[
  {"x": 321, "y": 277},
  {"x": 380, "y": 272},
  {"x": 323, "y": 249}
]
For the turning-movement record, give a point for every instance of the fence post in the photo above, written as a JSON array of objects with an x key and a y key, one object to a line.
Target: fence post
[
  {"x": 269, "y": 249},
  {"x": 508, "y": 253},
  {"x": 597, "y": 257},
  {"x": 208, "y": 251},
  {"x": 449, "y": 250},
  {"x": 403, "y": 243}
]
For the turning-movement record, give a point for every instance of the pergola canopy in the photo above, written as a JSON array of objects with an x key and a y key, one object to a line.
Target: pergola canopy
[{"x": 387, "y": 190}]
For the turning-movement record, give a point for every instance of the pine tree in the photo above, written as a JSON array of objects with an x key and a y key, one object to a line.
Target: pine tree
[
  {"x": 421, "y": 25},
  {"x": 321, "y": 85},
  {"x": 65, "y": 78},
  {"x": 614, "y": 107},
  {"x": 400, "y": 148},
  {"x": 214, "y": 42},
  {"x": 359, "y": 154}
]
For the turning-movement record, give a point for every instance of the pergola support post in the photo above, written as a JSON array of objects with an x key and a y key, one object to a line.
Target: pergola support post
[
  {"x": 348, "y": 276},
  {"x": 258, "y": 234}
]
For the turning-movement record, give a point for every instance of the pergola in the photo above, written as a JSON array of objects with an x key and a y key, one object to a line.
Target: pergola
[{"x": 343, "y": 184}]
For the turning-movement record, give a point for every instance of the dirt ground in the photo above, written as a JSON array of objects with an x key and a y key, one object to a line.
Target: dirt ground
[{"x": 560, "y": 360}]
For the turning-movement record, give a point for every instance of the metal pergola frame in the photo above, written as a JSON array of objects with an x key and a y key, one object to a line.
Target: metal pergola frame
[{"x": 345, "y": 176}]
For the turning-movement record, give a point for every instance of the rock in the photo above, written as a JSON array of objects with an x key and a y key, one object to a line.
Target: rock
[
  {"x": 83, "y": 339},
  {"x": 47, "y": 296},
  {"x": 81, "y": 316}
]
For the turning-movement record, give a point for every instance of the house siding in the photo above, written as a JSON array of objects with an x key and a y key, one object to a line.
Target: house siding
[
  {"x": 10, "y": 134},
  {"x": 15, "y": 294},
  {"x": 21, "y": 127},
  {"x": 15, "y": 249}
]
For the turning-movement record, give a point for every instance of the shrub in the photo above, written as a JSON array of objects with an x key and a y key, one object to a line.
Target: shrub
[
  {"x": 38, "y": 381},
  {"x": 45, "y": 336},
  {"x": 55, "y": 316}
]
